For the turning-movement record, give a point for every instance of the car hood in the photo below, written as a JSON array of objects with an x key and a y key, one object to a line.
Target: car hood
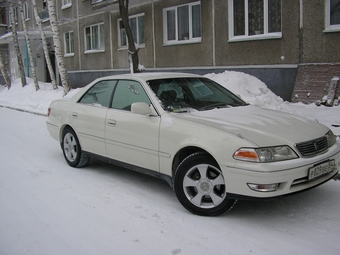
[{"x": 260, "y": 126}]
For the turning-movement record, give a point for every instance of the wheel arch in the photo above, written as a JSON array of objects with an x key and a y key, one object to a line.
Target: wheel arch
[
  {"x": 185, "y": 152},
  {"x": 61, "y": 130}
]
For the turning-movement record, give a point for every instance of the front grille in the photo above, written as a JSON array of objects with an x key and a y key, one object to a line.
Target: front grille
[{"x": 313, "y": 147}]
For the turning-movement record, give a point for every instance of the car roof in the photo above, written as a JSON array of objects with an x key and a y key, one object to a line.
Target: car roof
[{"x": 145, "y": 76}]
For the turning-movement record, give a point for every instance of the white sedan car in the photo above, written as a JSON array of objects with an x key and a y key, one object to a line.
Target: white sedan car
[{"x": 208, "y": 144}]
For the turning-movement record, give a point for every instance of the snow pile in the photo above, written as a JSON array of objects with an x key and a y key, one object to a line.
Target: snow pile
[
  {"x": 255, "y": 92},
  {"x": 250, "y": 89},
  {"x": 28, "y": 99}
]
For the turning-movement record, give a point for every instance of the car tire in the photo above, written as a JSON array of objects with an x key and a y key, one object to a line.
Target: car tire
[
  {"x": 200, "y": 187},
  {"x": 72, "y": 150}
]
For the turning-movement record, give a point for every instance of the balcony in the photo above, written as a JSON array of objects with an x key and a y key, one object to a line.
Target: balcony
[
  {"x": 44, "y": 15},
  {"x": 103, "y": 2}
]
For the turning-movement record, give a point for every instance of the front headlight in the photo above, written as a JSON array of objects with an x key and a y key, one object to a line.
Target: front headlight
[
  {"x": 264, "y": 155},
  {"x": 331, "y": 138}
]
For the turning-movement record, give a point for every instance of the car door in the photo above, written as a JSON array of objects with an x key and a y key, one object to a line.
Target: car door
[
  {"x": 132, "y": 138},
  {"x": 88, "y": 117}
]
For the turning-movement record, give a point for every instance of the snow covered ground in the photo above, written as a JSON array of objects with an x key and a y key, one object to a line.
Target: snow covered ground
[{"x": 47, "y": 207}]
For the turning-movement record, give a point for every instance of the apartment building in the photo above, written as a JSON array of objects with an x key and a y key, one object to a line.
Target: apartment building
[{"x": 293, "y": 46}]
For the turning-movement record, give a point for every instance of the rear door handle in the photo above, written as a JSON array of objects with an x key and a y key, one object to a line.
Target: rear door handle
[
  {"x": 74, "y": 114},
  {"x": 111, "y": 123}
]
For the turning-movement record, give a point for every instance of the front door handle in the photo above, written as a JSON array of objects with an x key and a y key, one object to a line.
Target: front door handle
[{"x": 74, "y": 114}]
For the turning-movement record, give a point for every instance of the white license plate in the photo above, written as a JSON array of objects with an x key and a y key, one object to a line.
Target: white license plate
[{"x": 321, "y": 169}]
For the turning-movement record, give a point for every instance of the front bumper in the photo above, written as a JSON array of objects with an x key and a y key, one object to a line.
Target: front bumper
[{"x": 291, "y": 176}]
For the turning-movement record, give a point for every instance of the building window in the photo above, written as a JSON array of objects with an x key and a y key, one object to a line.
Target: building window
[
  {"x": 26, "y": 11},
  {"x": 182, "y": 24},
  {"x": 3, "y": 17},
  {"x": 66, "y": 4},
  {"x": 11, "y": 22},
  {"x": 332, "y": 16},
  {"x": 254, "y": 19},
  {"x": 69, "y": 43},
  {"x": 137, "y": 28},
  {"x": 94, "y": 38},
  {"x": 44, "y": 14}
]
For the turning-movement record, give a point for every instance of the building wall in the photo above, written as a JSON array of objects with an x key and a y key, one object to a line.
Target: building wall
[
  {"x": 313, "y": 81},
  {"x": 145, "y": 54},
  {"x": 187, "y": 54},
  {"x": 265, "y": 59},
  {"x": 38, "y": 58},
  {"x": 320, "y": 56},
  {"x": 4, "y": 51},
  {"x": 318, "y": 46},
  {"x": 258, "y": 52},
  {"x": 72, "y": 62},
  {"x": 277, "y": 62},
  {"x": 100, "y": 60}
]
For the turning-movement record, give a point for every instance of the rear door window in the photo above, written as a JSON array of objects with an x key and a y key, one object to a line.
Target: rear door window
[{"x": 100, "y": 94}]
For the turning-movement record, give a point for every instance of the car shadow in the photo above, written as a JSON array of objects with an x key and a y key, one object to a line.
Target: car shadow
[
  {"x": 296, "y": 205},
  {"x": 130, "y": 177},
  {"x": 316, "y": 201}
]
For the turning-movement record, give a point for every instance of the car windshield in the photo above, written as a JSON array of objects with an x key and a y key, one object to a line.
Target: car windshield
[{"x": 184, "y": 94}]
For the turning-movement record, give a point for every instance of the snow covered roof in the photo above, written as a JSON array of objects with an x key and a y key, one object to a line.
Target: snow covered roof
[{"x": 34, "y": 35}]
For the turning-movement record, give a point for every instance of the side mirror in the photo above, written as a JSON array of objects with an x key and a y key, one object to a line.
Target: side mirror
[{"x": 141, "y": 108}]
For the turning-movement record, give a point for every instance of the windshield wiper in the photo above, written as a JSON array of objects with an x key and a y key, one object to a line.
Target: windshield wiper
[{"x": 213, "y": 106}]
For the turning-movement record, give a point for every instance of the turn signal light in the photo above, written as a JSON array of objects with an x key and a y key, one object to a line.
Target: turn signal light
[
  {"x": 263, "y": 187},
  {"x": 247, "y": 155}
]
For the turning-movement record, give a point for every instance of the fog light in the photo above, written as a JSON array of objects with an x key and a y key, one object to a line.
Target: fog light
[{"x": 263, "y": 187}]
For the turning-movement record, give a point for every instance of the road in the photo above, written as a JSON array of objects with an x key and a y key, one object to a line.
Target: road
[{"x": 47, "y": 207}]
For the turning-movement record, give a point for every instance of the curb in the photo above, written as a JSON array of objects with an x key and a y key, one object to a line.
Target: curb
[{"x": 22, "y": 110}]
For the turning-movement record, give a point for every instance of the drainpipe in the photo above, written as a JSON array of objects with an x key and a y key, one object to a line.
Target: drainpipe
[
  {"x": 213, "y": 31},
  {"x": 153, "y": 35},
  {"x": 78, "y": 32},
  {"x": 301, "y": 32},
  {"x": 27, "y": 61}
]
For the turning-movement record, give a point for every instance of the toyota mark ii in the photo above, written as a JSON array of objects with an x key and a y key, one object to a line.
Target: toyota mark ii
[{"x": 208, "y": 144}]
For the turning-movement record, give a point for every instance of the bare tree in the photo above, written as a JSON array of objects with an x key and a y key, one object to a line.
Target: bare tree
[
  {"x": 133, "y": 50},
  {"x": 44, "y": 44},
  {"x": 4, "y": 71},
  {"x": 57, "y": 46},
  {"x": 16, "y": 44},
  {"x": 29, "y": 49}
]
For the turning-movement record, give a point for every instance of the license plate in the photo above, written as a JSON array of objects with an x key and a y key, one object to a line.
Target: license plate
[{"x": 321, "y": 169}]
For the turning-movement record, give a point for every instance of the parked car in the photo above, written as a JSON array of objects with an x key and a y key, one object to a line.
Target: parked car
[{"x": 208, "y": 144}]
